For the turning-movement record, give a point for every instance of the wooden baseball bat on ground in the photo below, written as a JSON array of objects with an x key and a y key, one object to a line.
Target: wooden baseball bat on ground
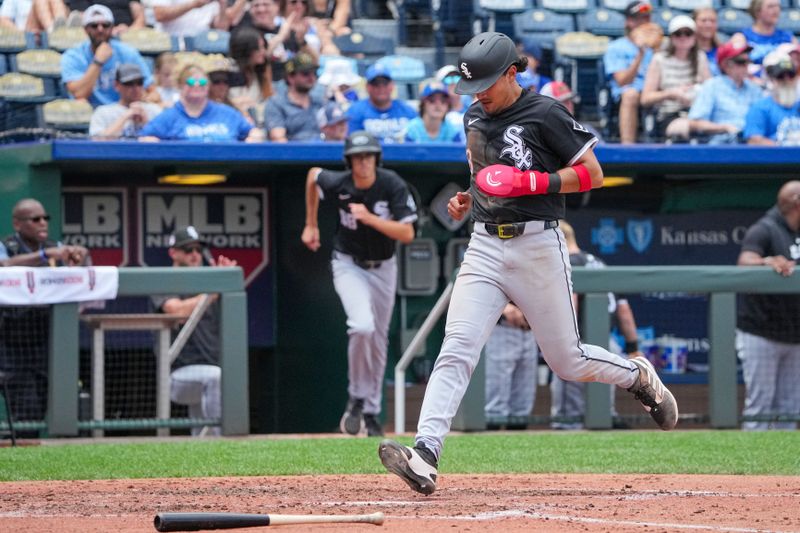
[{"x": 202, "y": 521}]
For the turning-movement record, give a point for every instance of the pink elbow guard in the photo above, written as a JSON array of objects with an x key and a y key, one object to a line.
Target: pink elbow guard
[{"x": 506, "y": 182}]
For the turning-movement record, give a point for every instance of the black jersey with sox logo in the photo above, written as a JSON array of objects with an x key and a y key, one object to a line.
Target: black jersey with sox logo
[
  {"x": 389, "y": 198},
  {"x": 534, "y": 133}
]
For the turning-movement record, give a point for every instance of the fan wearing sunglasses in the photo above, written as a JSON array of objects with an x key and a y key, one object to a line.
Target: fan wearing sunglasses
[
  {"x": 721, "y": 104},
  {"x": 124, "y": 119},
  {"x": 673, "y": 76},
  {"x": 23, "y": 337},
  {"x": 89, "y": 68},
  {"x": 775, "y": 119},
  {"x": 196, "y": 374},
  {"x": 196, "y": 118},
  {"x": 30, "y": 245}
]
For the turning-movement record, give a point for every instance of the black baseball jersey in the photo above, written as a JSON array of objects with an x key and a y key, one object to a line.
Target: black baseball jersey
[
  {"x": 389, "y": 198},
  {"x": 774, "y": 316},
  {"x": 534, "y": 133}
]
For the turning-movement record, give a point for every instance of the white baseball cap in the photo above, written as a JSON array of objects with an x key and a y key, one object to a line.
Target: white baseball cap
[
  {"x": 97, "y": 13},
  {"x": 679, "y": 22}
]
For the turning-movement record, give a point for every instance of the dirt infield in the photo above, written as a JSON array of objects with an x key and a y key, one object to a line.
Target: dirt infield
[{"x": 464, "y": 502}]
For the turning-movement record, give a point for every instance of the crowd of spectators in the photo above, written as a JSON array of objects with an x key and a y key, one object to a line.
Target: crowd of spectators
[{"x": 282, "y": 68}]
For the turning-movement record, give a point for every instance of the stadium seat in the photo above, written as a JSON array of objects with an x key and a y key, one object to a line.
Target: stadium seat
[
  {"x": 729, "y": 21},
  {"x": 455, "y": 20},
  {"x": 568, "y": 6},
  {"x": 580, "y": 55},
  {"x": 44, "y": 63},
  {"x": 790, "y": 21},
  {"x": 364, "y": 48},
  {"x": 68, "y": 115},
  {"x": 209, "y": 42},
  {"x": 602, "y": 22},
  {"x": 20, "y": 99},
  {"x": 613, "y": 5},
  {"x": 662, "y": 16},
  {"x": 149, "y": 41},
  {"x": 691, "y": 5},
  {"x": 407, "y": 73},
  {"x": 542, "y": 26},
  {"x": 12, "y": 40},
  {"x": 63, "y": 38},
  {"x": 497, "y": 15},
  {"x": 745, "y": 4},
  {"x": 381, "y": 28}
]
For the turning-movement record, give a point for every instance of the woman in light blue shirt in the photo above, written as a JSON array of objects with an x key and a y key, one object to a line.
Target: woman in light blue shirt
[{"x": 430, "y": 125}]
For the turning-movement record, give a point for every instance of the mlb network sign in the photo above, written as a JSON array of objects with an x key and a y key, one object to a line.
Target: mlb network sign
[
  {"x": 98, "y": 221},
  {"x": 231, "y": 221}
]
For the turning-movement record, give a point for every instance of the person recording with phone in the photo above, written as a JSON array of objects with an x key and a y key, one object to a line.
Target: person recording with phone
[{"x": 196, "y": 374}]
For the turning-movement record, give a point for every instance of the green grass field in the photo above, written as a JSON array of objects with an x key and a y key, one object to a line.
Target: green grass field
[{"x": 612, "y": 452}]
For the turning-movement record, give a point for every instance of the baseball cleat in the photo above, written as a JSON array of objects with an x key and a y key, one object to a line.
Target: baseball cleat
[
  {"x": 654, "y": 396},
  {"x": 416, "y": 466},
  {"x": 373, "y": 425},
  {"x": 352, "y": 421}
]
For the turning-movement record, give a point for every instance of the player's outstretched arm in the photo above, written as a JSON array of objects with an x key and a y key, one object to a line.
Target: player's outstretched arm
[
  {"x": 394, "y": 229},
  {"x": 506, "y": 181},
  {"x": 310, "y": 236}
]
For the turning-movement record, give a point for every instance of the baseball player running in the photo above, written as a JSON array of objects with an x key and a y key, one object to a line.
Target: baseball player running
[
  {"x": 375, "y": 209},
  {"x": 525, "y": 152}
]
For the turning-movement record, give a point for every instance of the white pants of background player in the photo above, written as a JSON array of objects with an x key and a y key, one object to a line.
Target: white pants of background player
[
  {"x": 198, "y": 387},
  {"x": 771, "y": 370},
  {"x": 533, "y": 271},
  {"x": 368, "y": 299},
  {"x": 511, "y": 360}
]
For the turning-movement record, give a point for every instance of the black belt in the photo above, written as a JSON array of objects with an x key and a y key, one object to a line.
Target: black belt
[
  {"x": 514, "y": 229},
  {"x": 367, "y": 264}
]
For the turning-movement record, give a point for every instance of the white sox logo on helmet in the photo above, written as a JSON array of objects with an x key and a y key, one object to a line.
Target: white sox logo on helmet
[
  {"x": 516, "y": 149},
  {"x": 465, "y": 70}
]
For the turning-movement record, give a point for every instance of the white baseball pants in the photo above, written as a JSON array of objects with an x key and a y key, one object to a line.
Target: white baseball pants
[{"x": 533, "y": 271}]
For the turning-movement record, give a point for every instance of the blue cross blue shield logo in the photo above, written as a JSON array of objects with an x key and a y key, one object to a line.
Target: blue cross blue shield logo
[{"x": 640, "y": 234}]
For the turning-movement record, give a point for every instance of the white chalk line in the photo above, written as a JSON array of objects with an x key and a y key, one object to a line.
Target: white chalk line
[{"x": 567, "y": 518}]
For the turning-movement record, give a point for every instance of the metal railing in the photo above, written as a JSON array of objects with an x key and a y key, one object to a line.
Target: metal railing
[{"x": 720, "y": 282}]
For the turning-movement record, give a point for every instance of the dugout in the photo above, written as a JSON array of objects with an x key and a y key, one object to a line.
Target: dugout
[{"x": 108, "y": 196}]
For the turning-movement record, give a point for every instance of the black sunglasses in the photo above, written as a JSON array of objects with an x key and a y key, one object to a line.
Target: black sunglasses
[
  {"x": 190, "y": 249},
  {"x": 95, "y": 25},
  {"x": 683, "y": 33},
  {"x": 785, "y": 75},
  {"x": 36, "y": 219},
  {"x": 741, "y": 60},
  {"x": 134, "y": 83}
]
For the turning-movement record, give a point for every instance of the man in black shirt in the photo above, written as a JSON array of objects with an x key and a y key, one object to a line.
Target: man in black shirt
[
  {"x": 196, "y": 375},
  {"x": 769, "y": 324},
  {"x": 24, "y": 330},
  {"x": 524, "y": 151},
  {"x": 375, "y": 210}
]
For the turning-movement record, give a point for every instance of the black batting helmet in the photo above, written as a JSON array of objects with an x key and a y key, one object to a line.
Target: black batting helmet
[
  {"x": 483, "y": 60},
  {"x": 361, "y": 142}
]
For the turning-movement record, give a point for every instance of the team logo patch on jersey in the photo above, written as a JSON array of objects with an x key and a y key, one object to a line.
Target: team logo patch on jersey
[
  {"x": 577, "y": 126},
  {"x": 516, "y": 149},
  {"x": 465, "y": 70}
]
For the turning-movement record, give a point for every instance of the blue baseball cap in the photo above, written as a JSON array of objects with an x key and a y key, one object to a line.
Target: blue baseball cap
[
  {"x": 531, "y": 48},
  {"x": 431, "y": 88},
  {"x": 378, "y": 70}
]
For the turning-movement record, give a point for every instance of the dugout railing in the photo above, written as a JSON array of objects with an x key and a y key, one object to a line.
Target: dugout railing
[
  {"x": 721, "y": 283},
  {"x": 62, "y": 417}
]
